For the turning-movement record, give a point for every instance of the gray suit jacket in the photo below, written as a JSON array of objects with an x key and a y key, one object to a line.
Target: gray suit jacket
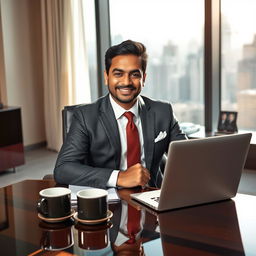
[{"x": 92, "y": 148}]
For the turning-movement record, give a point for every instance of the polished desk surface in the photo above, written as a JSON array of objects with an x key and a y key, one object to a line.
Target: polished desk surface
[{"x": 223, "y": 228}]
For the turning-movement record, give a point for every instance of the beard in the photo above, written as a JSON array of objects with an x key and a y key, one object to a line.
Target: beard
[{"x": 123, "y": 87}]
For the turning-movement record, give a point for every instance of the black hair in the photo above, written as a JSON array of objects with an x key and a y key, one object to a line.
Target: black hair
[{"x": 124, "y": 48}]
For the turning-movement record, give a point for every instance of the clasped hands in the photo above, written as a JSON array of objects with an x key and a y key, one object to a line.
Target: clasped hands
[{"x": 134, "y": 176}]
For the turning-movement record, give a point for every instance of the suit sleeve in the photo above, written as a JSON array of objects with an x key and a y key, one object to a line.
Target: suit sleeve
[{"x": 73, "y": 162}]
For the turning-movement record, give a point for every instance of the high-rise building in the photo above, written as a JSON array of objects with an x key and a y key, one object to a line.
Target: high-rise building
[
  {"x": 228, "y": 64},
  {"x": 247, "y": 67},
  {"x": 246, "y": 100},
  {"x": 246, "y": 87}
]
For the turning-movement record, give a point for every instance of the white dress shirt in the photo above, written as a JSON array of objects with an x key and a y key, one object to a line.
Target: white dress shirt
[{"x": 122, "y": 122}]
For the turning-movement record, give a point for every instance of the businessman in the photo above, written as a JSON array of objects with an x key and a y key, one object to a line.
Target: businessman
[
  {"x": 223, "y": 122},
  {"x": 231, "y": 123},
  {"x": 119, "y": 140}
]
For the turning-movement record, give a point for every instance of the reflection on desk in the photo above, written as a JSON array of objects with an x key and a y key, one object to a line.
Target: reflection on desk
[
  {"x": 209, "y": 229},
  {"x": 224, "y": 228}
]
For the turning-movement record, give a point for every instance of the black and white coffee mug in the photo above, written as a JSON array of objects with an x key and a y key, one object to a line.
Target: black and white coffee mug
[
  {"x": 54, "y": 202},
  {"x": 92, "y": 204}
]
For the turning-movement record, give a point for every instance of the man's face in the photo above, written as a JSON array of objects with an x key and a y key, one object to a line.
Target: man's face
[
  {"x": 224, "y": 116},
  {"x": 125, "y": 79},
  {"x": 231, "y": 117}
]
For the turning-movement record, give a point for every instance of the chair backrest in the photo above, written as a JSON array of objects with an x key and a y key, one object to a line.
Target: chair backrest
[{"x": 67, "y": 115}]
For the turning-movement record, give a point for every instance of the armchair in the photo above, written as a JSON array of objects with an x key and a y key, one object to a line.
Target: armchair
[{"x": 67, "y": 114}]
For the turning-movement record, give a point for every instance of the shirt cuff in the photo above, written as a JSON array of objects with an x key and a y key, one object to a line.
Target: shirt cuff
[{"x": 113, "y": 179}]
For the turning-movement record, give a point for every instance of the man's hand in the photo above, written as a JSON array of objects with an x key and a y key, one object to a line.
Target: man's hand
[{"x": 134, "y": 176}]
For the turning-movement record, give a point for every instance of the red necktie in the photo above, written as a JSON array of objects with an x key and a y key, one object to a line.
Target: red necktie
[
  {"x": 133, "y": 224},
  {"x": 133, "y": 157},
  {"x": 133, "y": 141}
]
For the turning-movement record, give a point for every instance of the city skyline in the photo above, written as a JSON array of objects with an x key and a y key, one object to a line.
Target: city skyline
[{"x": 176, "y": 53}]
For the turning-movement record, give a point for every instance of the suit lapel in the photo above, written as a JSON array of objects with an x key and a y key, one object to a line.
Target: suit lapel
[
  {"x": 109, "y": 122},
  {"x": 148, "y": 127}
]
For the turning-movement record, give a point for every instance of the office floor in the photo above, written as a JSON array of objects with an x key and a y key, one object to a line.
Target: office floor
[{"x": 40, "y": 162}]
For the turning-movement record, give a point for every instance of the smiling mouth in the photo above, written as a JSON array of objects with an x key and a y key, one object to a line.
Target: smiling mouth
[{"x": 125, "y": 89}]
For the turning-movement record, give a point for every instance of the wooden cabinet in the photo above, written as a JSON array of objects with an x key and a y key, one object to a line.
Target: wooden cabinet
[{"x": 11, "y": 141}]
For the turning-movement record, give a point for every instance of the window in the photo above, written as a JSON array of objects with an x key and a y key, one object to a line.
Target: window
[
  {"x": 238, "y": 69},
  {"x": 173, "y": 32},
  {"x": 84, "y": 48},
  {"x": 90, "y": 34}
]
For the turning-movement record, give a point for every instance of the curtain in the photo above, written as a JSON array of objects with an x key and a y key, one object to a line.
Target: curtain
[
  {"x": 61, "y": 62},
  {"x": 3, "y": 93}
]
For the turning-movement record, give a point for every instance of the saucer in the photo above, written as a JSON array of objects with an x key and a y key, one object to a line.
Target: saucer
[
  {"x": 93, "y": 228},
  {"x": 55, "y": 220},
  {"x": 91, "y": 222}
]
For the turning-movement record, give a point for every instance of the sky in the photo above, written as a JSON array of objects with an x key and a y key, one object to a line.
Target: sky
[
  {"x": 181, "y": 21},
  {"x": 158, "y": 20},
  {"x": 241, "y": 16}
]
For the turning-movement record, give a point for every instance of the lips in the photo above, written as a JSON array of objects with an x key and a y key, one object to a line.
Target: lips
[{"x": 125, "y": 89}]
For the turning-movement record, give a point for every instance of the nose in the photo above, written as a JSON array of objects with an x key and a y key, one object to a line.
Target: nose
[{"x": 126, "y": 79}]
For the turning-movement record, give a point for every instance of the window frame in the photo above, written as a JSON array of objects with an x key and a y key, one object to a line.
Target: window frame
[{"x": 212, "y": 56}]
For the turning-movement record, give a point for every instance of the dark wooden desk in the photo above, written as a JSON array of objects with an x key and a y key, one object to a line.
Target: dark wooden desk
[{"x": 225, "y": 228}]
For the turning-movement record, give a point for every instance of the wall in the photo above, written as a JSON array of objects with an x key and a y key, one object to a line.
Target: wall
[{"x": 21, "y": 27}]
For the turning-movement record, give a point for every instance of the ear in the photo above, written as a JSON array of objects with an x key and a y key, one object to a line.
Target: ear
[
  {"x": 105, "y": 77},
  {"x": 144, "y": 78}
]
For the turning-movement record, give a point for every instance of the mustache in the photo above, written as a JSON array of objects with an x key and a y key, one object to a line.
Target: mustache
[{"x": 129, "y": 86}]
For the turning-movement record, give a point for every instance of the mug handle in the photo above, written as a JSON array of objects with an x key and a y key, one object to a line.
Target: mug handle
[
  {"x": 40, "y": 206},
  {"x": 45, "y": 240}
]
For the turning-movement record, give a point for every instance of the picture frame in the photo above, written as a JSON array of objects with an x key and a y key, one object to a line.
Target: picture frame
[{"x": 227, "y": 122}]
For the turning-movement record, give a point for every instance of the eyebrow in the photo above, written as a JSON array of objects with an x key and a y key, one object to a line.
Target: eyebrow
[
  {"x": 121, "y": 70},
  {"x": 117, "y": 69}
]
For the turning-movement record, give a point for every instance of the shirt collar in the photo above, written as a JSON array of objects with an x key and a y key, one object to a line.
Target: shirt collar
[{"x": 119, "y": 111}]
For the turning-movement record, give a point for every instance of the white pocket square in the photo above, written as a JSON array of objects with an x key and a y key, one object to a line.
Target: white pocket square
[{"x": 160, "y": 136}]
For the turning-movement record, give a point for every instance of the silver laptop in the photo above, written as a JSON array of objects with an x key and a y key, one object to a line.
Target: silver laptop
[{"x": 199, "y": 171}]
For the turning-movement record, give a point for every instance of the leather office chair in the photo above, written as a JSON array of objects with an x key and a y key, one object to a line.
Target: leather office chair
[{"x": 67, "y": 114}]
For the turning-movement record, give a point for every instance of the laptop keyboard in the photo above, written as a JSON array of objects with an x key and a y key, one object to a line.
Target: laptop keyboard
[{"x": 156, "y": 198}]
